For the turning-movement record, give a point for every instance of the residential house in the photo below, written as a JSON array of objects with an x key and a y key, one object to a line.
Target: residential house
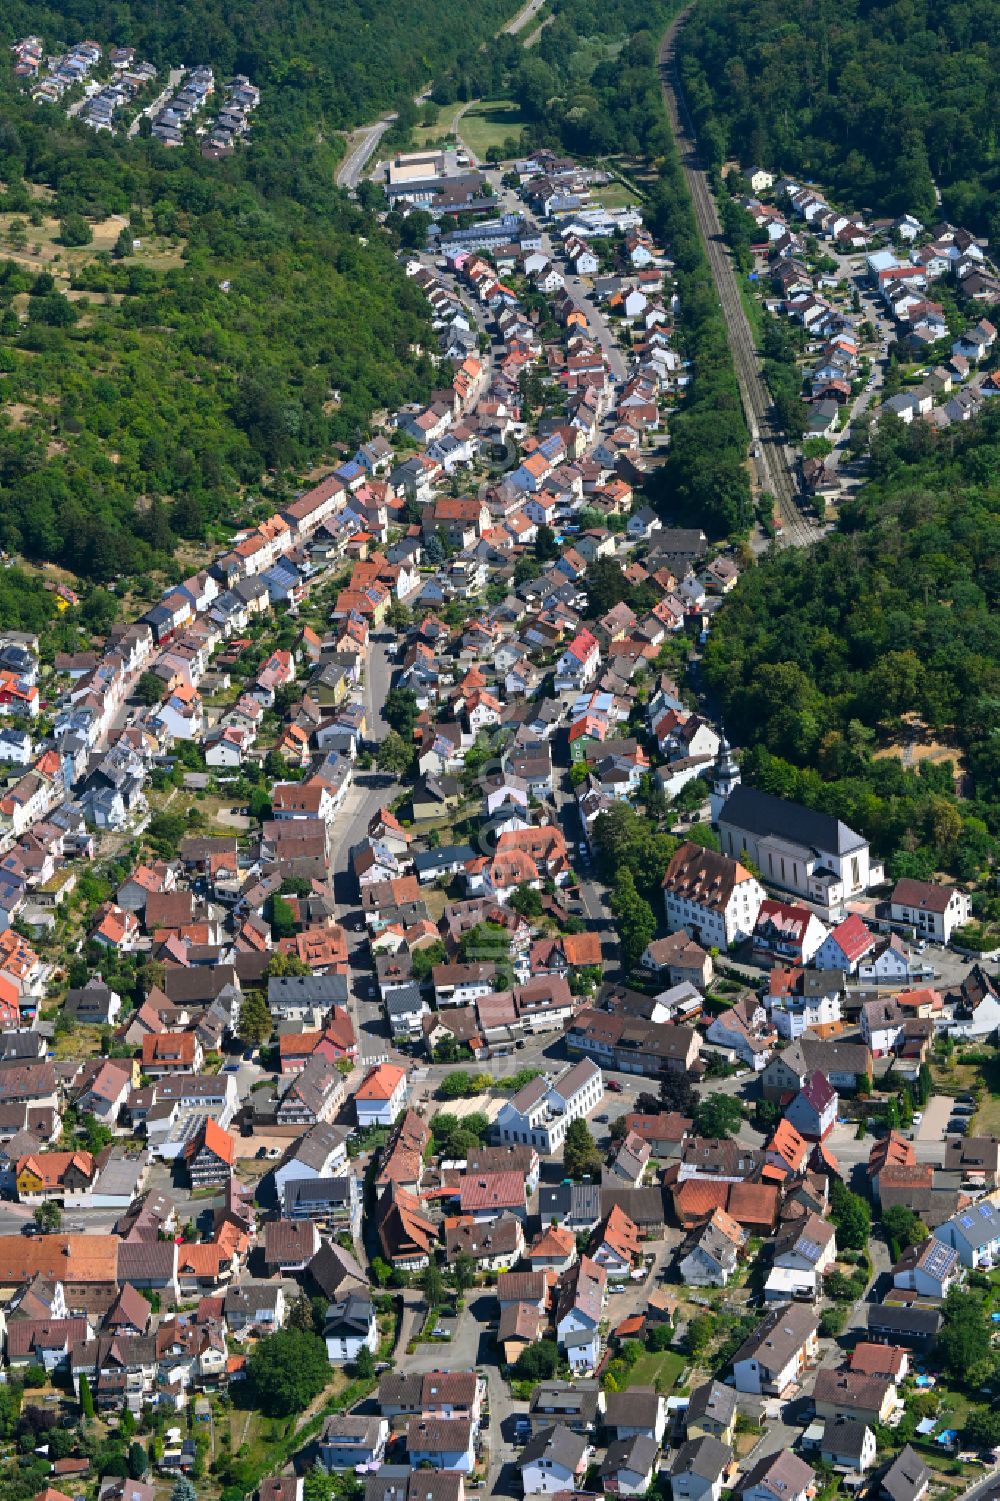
[
  {"x": 711, "y": 1412},
  {"x": 553, "y": 1460},
  {"x": 710, "y": 1256},
  {"x": 933, "y": 911},
  {"x": 779, "y": 1476},
  {"x": 699, "y": 1469},
  {"x": 778, "y": 1352},
  {"x": 813, "y": 1111},
  {"x": 710, "y": 896}
]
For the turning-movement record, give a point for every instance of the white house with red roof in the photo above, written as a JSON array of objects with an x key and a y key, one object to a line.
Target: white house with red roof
[
  {"x": 845, "y": 946},
  {"x": 579, "y": 663},
  {"x": 381, "y": 1096},
  {"x": 786, "y": 929},
  {"x": 813, "y": 1111}
]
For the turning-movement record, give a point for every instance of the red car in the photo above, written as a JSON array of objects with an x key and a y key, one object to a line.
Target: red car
[{"x": 613, "y": 1085}]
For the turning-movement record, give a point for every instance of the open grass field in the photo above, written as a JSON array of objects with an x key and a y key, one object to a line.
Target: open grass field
[
  {"x": 488, "y": 123},
  {"x": 615, "y": 195},
  {"x": 37, "y": 247},
  {"x": 667, "y": 1366},
  {"x": 424, "y": 135}
]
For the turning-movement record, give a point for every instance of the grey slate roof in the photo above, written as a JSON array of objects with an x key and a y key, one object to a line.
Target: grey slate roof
[
  {"x": 575, "y": 1402},
  {"x": 704, "y": 1457},
  {"x": 906, "y": 1476},
  {"x": 351, "y": 1315},
  {"x": 843, "y": 1436},
  {"x": 576, "y": 1201},
  {"x": 712, "y": 1400},
  {"x": 556, "y": 1444},
  {"x": 764, "y": 815},
  {"x": 637, "y": 1454},
  {"x": 636, "y": 1408},
  {"x": 307, "y": 990}
]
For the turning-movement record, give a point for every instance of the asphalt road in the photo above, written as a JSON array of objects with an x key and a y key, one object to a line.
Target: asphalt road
[
  {"x": 579, "y": 290},
  {"x": 352, "y": 168},
  {"x": 526, "y": 14},
  {"x": 173, "y": 79}
]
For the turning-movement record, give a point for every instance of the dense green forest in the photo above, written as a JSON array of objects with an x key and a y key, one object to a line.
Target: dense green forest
[
  {"x": 875, "y": 100},
  {"x": 320, "y": 66},
  {"x": 886, "y": 633},
  {"x": 188, "y": 382},
  {"x": 143, "y": 395}
]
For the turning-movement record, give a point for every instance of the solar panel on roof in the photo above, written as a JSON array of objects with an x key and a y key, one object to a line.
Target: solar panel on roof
[
  {"x": 938, "y": 1259},
  {"x": 966, "y": 1220}
]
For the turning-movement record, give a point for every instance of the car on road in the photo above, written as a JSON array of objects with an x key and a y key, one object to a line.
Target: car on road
[
  {"x": 440, "y": 1333},
  {"x": 230, "y": 1068},
  {"x": 613, "y": 1085},
  {"x": 31, "y": 1228}
]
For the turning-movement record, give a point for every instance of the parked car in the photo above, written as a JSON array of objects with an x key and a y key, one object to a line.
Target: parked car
[{"x": 613, "y": 1085}]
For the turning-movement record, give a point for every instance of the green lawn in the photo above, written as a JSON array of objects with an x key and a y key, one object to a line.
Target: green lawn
[
  {"x": 668, "y": 1365},
  {"x": 424, "y": 134},
  {"x": 616, "y": 195},
  {"x": 488, "y": 123},
  {"x": 988, "y": 1114}
]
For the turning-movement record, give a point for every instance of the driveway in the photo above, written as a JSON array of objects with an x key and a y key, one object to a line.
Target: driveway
[{"x": 937, "y": 1113}]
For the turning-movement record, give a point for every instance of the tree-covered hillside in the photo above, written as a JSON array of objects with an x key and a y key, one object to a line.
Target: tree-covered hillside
[
  {"x": 143, "y": 396},
  {"x": 824, "y": 656},
  {"x": 875, "y": 99},
  {"x": 139, "y": 397},
  {"x": 332, "y": 65}
]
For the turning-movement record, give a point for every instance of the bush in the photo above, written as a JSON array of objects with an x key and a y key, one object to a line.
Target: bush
[
  {"x": 537, "y": 1363},
  {"x": 74, "y": 230},
  {"x": 832, "y": 1321},
  {"x": 287, "y": 1370}
]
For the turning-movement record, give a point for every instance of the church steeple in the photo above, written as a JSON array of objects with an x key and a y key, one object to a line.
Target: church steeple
[{"x": 725, "y": 780}]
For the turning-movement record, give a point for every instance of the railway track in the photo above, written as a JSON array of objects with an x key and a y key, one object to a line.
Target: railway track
[{"x": 770, "y": 456}]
